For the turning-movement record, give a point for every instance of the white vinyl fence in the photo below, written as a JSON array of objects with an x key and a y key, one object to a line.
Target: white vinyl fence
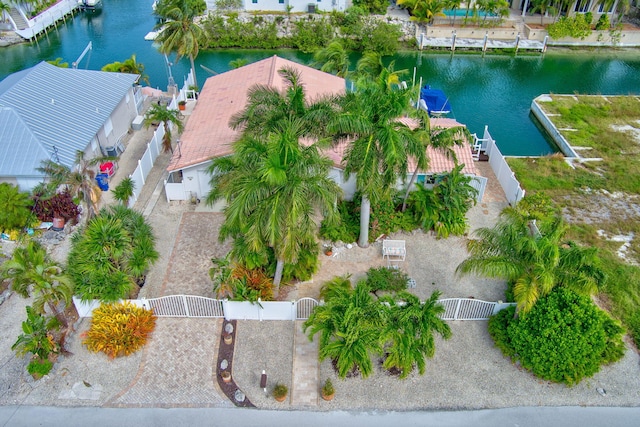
[
  {"x": 501, "y": 169},
  {"x": 196, "y": 306},
  {"x": 154, "y": 146}
]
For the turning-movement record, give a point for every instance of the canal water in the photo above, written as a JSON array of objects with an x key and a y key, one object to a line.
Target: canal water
[{"x": 493, "y": 90}]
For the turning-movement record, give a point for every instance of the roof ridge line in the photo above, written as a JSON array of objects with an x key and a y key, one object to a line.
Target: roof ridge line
[{"x": 274, "y": 58}]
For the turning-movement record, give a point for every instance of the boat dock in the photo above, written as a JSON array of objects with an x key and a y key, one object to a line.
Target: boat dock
[
  {"x": 454, "y": 42},
  {"x": 30, "y": 29}
]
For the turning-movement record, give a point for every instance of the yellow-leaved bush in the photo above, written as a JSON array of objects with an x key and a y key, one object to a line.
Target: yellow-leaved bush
[{"x": 119, "y": 329}]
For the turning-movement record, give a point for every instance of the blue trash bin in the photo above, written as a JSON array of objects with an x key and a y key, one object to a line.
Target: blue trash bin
[{"x": 103, "y": 181}]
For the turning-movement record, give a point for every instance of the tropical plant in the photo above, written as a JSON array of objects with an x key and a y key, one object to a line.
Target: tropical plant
[
  {"x": 58, "y": 63},
  {"x": 273, "y": 184},
  {"x": 564, "y": 338},
  {"x": 453, "y": 6},
  {"x": 16, "y": 207},
  {"x": 79, "y": 180},
  {"x": 129, "y": 66},
  {"x": 444, "y": 207},
  {"x": 410, "y": 331},
  {"x": 111, "y": 254},
  {"x": 327, "y": 388},
  {"x": 280, "y": 391},
  {"x": 423, "y": 11},
  {"x": 169, "y": 118},
  {"x": 119, "y": 329},
  {"x": 350, "y": 326},
  {"x": 442, "y": 140},
  {"x": 36, "y": 339},
  {"x": 237, "y": 63},
  {"x": 178, "y": 32},
  {"x": 534, "y": 260},
  {"x": 238, "y": 282},
  {"x": 33, "y": 274},
  {"x": 333, "y": 59},
  {"x": 46, "y": 206},
  {"x": 386, "y": 280},
  {"x": 380, "y": 143},
  {"x": 124, "y": 191}
]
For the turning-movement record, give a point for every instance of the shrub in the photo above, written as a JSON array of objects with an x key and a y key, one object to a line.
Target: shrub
[
  {"x": 327, "y": 388},
  {"x": 386, "y": 279},
  {"x": 564, "y": 338},
  {"x": 16, "y": 207},
  {"x": 119, "y": 329},
  {"x": 46, "y": 207},
  {"x": 603, "y": 23},
  {"x": 111, "y": 255},
  {"x": 39, "y": 367},
  {"x": 36, "y": 337}
]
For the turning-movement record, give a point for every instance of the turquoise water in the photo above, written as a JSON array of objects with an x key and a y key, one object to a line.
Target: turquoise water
[
  {"x": 494, "y": 90},
  {"x": 463, "y": 12}
]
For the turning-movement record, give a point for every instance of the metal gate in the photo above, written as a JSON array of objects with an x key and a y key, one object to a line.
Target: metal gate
[
  {"x": 184, "y": 306},
  {"x": 304, "y": 307}
]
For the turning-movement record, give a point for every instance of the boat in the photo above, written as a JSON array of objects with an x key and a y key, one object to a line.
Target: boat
[
  {"x": 90, "y": 5},
  {"x": 434, "y": 101}
]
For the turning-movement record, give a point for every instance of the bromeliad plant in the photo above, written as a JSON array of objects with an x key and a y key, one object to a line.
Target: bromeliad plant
[{"x": 119, "y": 329}]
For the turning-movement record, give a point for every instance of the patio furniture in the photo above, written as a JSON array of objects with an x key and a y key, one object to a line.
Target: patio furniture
[{"x": 393, "y": 251}]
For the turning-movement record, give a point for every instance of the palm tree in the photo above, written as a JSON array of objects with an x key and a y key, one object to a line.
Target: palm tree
[
  {"x": 442, "y": 139},
  {"x": 32, "y": 273},
  {"x": 273, "y": 186},
  {"x": 350, "y": 324},
  {"x": 58, "y": 63},
  {"x": 411, "y": 329},
  {"x": 333, "y": 59},
  {"x": 535, "y": 261},
  {"x": 381, "y": 144},
  {"x": 273, "y": 183},
  {"x": 162, "y": 113},
  {"x": 179, "y": 33},
  {"x": 129, "y": 66},
  {"x": 239, "y": 62},
  {"x": 124, "y": 191},
  {"x": 79, "y": 180},
  {"x": 453, "y": 5}
]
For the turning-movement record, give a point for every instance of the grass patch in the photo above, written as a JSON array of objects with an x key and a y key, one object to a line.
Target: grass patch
[{"x": 597, "y": 197}]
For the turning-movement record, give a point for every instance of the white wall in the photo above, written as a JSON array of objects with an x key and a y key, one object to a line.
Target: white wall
[
  {"x": 298, "y": 5},
  {"x": 348, "y": 186}
]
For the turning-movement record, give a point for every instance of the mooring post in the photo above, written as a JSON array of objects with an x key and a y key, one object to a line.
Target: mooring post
[
  {"x": 517, "y": 41},
  {"x": 421, "y": 41},
  {"x": 486, "y": 37},
  {"x": 544, "y": 44},
  {"x": 453, "y": 41}
]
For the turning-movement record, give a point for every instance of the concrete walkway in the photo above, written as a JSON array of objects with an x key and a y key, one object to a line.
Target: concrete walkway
[{"x": 304, "y": 393}]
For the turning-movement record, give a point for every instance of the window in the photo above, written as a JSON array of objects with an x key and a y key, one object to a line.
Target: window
[
  {"x": 611, "y": 7},
  {"x": 281, "y": 1},
  {"x": 254, "y": 1},
  {"x": 583, "y": 6}
]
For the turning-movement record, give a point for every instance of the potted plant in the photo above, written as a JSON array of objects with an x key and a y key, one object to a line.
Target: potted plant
[
  {"x": 328, "y": 250},
  {"x": 182, "y": 105},
  {"x": 280, "y": 392},
  {"x": 226, "y": 376},
  {"x": 328, "y": 391},
  {"x": 228, "y": 338}
]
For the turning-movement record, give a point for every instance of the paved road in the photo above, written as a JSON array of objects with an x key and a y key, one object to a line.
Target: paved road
[{"x": 12, "y": 416}]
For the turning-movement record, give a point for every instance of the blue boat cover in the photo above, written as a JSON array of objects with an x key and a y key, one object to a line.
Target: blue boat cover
[{"x": 437, "y": 102}]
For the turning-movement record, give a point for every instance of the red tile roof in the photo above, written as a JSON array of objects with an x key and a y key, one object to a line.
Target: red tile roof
[
  {"x": 207, "y": 133},
  {"x": 438, "y": 162}
]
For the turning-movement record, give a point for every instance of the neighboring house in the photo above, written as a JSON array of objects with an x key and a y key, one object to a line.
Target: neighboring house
[
  {"x": 207, "y": 134},
  {"x": 596, "y": 7},
  {"x": 296, "y": 6},
  {"x": 47, "y": 112}
]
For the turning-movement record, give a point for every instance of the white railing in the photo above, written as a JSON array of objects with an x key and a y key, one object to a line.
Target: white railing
[
  {"x": 146, "y": 162},
  {"x": 501, "y": 169},
  {"x": 46, "y": 19},
  {"x": 197, "y": 306}
]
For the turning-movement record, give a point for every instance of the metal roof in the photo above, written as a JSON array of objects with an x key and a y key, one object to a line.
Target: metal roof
[{"x": 46, "y": 106}]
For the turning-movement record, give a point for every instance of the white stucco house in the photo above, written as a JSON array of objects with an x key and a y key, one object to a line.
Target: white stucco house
[
  {"x": 296, "y": 6},
  {"x": 47, "y": 112},
  {"x": 207, "y": 134}
]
